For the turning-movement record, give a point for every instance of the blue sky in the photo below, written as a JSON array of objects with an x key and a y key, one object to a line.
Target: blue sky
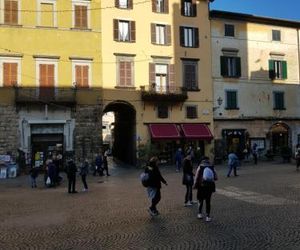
[{"x": 287, "y": 9}]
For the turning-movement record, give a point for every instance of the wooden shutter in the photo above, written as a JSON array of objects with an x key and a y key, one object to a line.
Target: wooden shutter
[
  {"x": 82, "y": 75},
  {"x": 50, "y": 75},
  {"x": 181, "y": 35},
  {"x": 194, "y": 7},
  {"x": 151, "y": 74},
  {"x": 10, "y": 74},
  {"x": 171, "y": 77},
  {"x": 128, "y": 74},
  {"x": 238, "y": 66},
  {"x": 116, "y": 30},
  {"x": 153, "y": 33},
  {"x": 132, "y": 31},
  {"x": 122, "y": 73},
  {"x": 130, "y": 4},
  {"x": 10, "y": 12},
  {"x": 182, "y": 7},
  {"x": 166, "y": 6},
  {"x": 284, "y": 70},
  {"x": 271, "y": 69},
  {"x": 77, "y": 16},
  {"x": 224, "y": 68},
  {"x": 84, "y": 17},
  {"x": 43, "y": 72},
  {"x": 117, "y": 3},
  {"x": 168, "y": 35},
  {"x": 80, "y": 16},
  {"x": 153, "y": 5},
  {"x": 196, "y": 33}
]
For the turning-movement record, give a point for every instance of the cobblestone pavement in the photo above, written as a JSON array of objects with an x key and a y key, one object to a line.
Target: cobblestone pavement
[{"x": 257, "y": 210}]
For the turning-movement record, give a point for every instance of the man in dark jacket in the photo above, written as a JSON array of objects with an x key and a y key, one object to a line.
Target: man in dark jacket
[
  {"x": 71, "y": 173},
  {"x": 155, "y": 179}
]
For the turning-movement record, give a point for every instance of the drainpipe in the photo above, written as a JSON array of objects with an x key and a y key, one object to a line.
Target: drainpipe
[{"x": 298, "y": 46}]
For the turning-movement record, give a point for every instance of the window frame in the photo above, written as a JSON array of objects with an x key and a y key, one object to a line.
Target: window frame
[
  {"x": 188, "y": 11},
  {"x": 185, "y": 40},
  {"x": 129, "y": 5},
  {"x": 276, "y": 35},
  {"x": 227, "y": 69},
  {"x": 76, "y": 62},
  {"x": 274, "y": 73},
  {"x": 195, "y": 114},
  {"x": 164, "y": 9},
  {"x": 131, "y": 30},
  {"x": 38, "y": 62},
  {"x": 276, "y": 105},
  {"x": 131, "y": 61},
  {"x": 39, "y": 14},
  {"x": 10, "y": 60},
  {"x": 2, "y": 6},
  {"x": 196, "y": 65},
  {"x": 231, "y": 29},
  {"x": 87, "y": 4},
  {"x": 228, "y": 104}
]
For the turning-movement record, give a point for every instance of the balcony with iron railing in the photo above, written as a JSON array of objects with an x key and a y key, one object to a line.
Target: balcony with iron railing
[
  {"x": 154, "y": 93},
  {"x": 45, "y": 95}
]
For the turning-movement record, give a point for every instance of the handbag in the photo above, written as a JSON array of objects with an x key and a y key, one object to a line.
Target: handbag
[{"x": 48, "y": 181}]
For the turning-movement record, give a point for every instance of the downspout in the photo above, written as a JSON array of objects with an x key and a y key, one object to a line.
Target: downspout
[{"x": 298, "y": 46}]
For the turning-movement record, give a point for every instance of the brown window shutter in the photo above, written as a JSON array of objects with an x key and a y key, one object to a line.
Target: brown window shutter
[
  {"x": 151, "y": 73},
  {"x": 171, "y": 77},
  {"x": 166, "y": 6},
  {"x": 168, "y": 36},
  {"x": 42, "y": 75},
  {"x": 14, "y": 14},
  {"x": 117, "y": 3},
  {"x": 196, "y": 33},
  {"x": 84, "y": 18},
  {"x": 10, "y": 12},
  {"x": 50, "y": 75},
  {"x": 194, "y": 7},
  {"x": 153, "y": 33},
  {"x": 122, "y": 73},
  {"x": 132, "y": 31},
  {"x": 116, "y": 30},
  {"x": 77, "y": 16},
  {"x": 13, "y": 74},
  {"x": 78, "y": 78},
  {"x": 153, "y": 5},
  {"x": 85, "y": 76},
  {"x": 128, "y": 74},
  {"x": 130, "y": 4},
  {"x": 6, "y": 74}
]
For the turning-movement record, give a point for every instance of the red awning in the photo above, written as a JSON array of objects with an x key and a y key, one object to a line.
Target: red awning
[
  {"x": 164, "y": 131},
  {"x": 196, "y": 131}
]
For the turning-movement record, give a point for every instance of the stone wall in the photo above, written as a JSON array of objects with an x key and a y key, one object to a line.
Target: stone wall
[
  {"x": 88, "y": 131},
  {"x": 9, "y": 130}
]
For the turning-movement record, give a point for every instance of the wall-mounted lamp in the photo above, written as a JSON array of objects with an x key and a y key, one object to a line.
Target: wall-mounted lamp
[{"x": 219, "y": 101}]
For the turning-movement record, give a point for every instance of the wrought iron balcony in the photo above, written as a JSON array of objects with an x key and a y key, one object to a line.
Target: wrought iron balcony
[
  {"x": 153, "y": 93},
  {"x": 45, "y": 95}
]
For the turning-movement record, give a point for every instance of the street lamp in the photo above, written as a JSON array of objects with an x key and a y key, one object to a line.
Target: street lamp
[{"x": 219, "y": 101}]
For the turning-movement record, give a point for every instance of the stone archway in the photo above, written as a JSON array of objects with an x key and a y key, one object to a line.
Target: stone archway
[
  {"x": 124, "y": 132},
  {"x": 279, "y": 136}
]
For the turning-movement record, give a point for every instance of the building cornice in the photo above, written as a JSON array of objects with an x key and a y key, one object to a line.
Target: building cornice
[{"x": 254, "y": 19}]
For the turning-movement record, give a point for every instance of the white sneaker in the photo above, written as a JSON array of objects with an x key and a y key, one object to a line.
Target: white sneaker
[
  {"x": 208, "y": 219},
  {"x": 199, "y": 216},
  {"x": 84, "y": 190},
  {"x": 188, "y": 204}
]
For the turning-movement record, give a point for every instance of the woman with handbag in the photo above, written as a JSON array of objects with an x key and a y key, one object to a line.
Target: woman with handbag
[
  {"x": 205, "y": 184},
  {"x": 188, "y": 180}
]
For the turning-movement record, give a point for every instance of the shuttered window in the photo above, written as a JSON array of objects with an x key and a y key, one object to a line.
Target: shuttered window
[
  {"x": 124, "y": 31},
  {"x": 162, "y": 111},
  {"x": 278, "y": 100},
  {"x": 190, "y": 76},
  {"x": 160, "y": 34},
  {"x": 162, "y": 77},
  {"x": 229, "y": 30},
  {"x": 276, "y": 35},
  {"x": 230, "y": 66},
  {"x": 10, "y": 74},
  {"x": 189, "y": 8},
  {"x": 191, "y": 112},
  {"x": 81, "y": 17},
  {"x": 125, "y": 74},
  {"x": 189, "y": 37},
  {"x": 46, "y": 75},
  {"x": 160, "y": 6},
  {"x": 277, "y": 69},
  {"x": 231, "y": 99},
  {"x": 10, "y": 12},
  {"x": 124, "y": 4},
  {"x": 82, "y": 76}
]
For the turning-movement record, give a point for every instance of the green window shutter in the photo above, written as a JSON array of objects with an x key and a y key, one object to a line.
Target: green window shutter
[
  {"x": 223, "y": 66},
  {"x": 284, "y": 70},
  {"x": 271, "y": 69},
  {"x": 238, "y": 66}
]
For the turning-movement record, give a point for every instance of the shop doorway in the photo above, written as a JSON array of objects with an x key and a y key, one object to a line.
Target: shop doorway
[
  {"x": 44, "y": 146},
  {"x": 123, "y": 131},
  {"x": 235, "y": 140},
  {"x": 279, "y": 137}
]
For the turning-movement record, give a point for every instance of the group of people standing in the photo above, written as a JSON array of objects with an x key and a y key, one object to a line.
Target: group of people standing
[{"x": 203, "y": 181}]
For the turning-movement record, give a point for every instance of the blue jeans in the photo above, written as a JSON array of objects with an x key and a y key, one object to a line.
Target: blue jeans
[
  {"x": 33, "y": 181},
  {"x": 233, "y": 166}
]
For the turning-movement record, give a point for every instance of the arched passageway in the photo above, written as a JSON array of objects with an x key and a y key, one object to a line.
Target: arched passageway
[
  {"x": 124, "y": 143},
  {"x": 279, "y": 136}
]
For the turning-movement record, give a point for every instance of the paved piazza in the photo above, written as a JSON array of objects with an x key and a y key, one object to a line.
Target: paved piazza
[{"x": 260, "y": 209}]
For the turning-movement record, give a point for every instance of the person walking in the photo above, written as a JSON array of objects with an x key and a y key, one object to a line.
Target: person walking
[
  {"x": 178, "y": 159},
  {"x": 205, "y": 184},
  {"x": 297, "y": 156},
  {"x": 105, "y": 162},
  {"x": 71, "y": 174},
  {"x": 188, "y": 180},
  {"x": 83, "y": 172},
  {"x": 51, "y": 172},
  {"x": 254, "y": 153},
  {"x": 233, "y": 162},
  {"x": 98, "y": 165},
  {"x": 154, "y": 186},
  {"x": 33, "y": 175}
]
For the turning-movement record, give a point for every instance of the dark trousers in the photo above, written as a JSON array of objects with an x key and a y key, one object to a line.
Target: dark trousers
[
  {"x": 207, "y": 202},
  {"x": 155, "y": 200},
  {"x": 105, "y": 166},
  {"x": 71, "y": 183},
  {"x": 83, "y": 178},
  {"x": 189, "y": 193},
  {"x": 255, "y": 158}
]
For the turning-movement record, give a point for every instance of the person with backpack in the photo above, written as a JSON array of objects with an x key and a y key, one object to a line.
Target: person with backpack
[
  {"x": 34, "y": 172},
  {"x": 233, "y": 162},
  {"x": 205, "y": 184},
  {"x": 188, "y": 180},
  {"x": 154, "y": 185}
]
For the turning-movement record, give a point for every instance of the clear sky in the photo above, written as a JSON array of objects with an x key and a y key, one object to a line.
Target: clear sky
[{"x": 284, "y": 9}]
